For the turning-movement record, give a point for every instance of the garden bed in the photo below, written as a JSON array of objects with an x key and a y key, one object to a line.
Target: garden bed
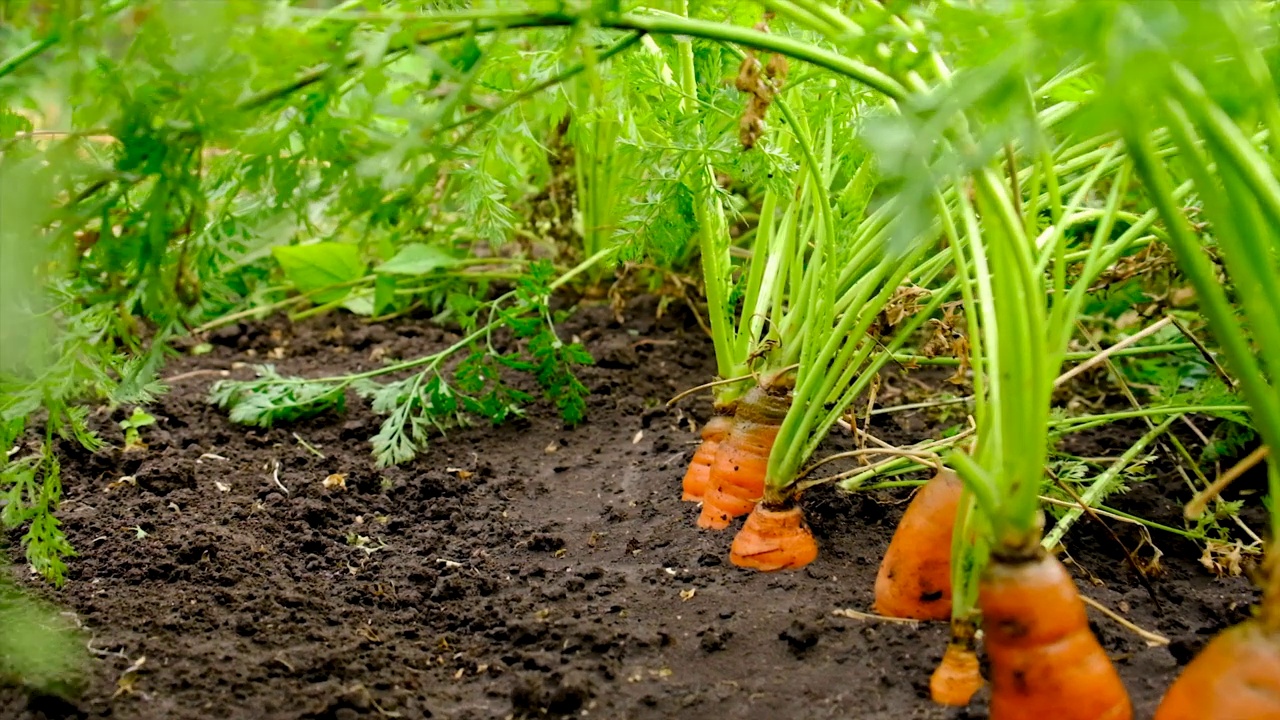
[{"x": 525, "y": 570}]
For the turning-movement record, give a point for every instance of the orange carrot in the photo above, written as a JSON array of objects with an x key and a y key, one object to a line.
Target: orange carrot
[
  {"x": 774, "y": 539},
  {"x": 915, "y": 576},
  {"x": 698, "y": 477},
  {"x": 958, "y": 676},
  {"x": 1237, "y": 675},
  {"x": 737, "y": 475},
  {"x": 1045, "y": 662}
]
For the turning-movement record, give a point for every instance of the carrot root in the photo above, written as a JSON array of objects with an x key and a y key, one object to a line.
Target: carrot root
[
  {"x": 1235, "y": 677},
  {"x": 1045, "y": 662},
  {"x": 697, "y": 479},
  {"x": 914, "y": 580},
  {"x": 737, "y": 475},
  {"x": 774, "y": 539},
  {"x": 957, "y": 678}
]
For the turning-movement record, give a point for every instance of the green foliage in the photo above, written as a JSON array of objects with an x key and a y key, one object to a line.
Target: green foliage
[
  {"x": 172, "y": 166},
  {"x": 84, "y": 360},
  {"x": 434, "y": 399},
  {"x": 132, "y": 425},
  {"x": 417, "y": 259},
  {"x": 37, "y": 650},
  {"x": 273, "y": 398},
  {"x": 316, "y": 269}
]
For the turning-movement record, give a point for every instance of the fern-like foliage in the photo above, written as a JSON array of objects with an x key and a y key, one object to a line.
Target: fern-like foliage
[
  {"x": 438, "y": 395},
  {"x": 272, "y": 398}
]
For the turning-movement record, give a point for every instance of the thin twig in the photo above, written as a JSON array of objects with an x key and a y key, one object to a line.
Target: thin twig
[
  {"x": 926, "y": 458},
  {"x": 706, "y": 386},
  {"x": 697, "y": 316},
  {"x": 1196, "y": 507},
  {"x": 866, "y": 418},
  {"x": 723, "y": 381},
  {"x": 1153, "y": 639},
  {"x": 921, "y": 405},
  {"x": 853, "y": 429},
  {"x": 1093, "y": 515},
  {"x": 1063, "y": 503},
  {"x": 1178, "y": 451},
  {"x": 1102, "y": 356},
  {"x": 195, "y": 373},
  {"x": 859, "y": 615},
  {"x": 1204, "y": 351},
  {"x": 873, "y": 467}
]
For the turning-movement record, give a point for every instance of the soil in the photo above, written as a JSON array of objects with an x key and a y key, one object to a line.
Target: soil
[{"x": 525, "y": 570}]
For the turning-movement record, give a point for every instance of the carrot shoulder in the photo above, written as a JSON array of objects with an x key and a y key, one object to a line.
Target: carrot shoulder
[
  {"x": 914, "y": 580},
  {"x": 697, "y": 478},
  {"x": 737, "y": 475},
  {"x": 774, "y": 539},
  {"x": 1045, "y": 662}
]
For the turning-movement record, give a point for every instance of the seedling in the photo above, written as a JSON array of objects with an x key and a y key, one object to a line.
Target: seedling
[{"x": 132, "y": 425}]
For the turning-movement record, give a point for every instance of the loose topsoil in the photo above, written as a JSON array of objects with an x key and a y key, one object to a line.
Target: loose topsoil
[{"x": 526, "y": 570}]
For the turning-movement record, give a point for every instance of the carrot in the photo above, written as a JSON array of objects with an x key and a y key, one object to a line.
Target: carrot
[
  {"x": 1045, "y": 662},
  {"x": 914, "y": 580},
  {"x": 1237, "y": 675},
  {"x": 698, "y": 477},
  {"x": 737, "y": 475},
  {"x": 774, "y": 539},
  {"x": 958, "y": 676}
]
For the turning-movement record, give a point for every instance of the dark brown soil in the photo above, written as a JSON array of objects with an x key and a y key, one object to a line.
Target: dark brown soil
[{"x": 526, "y": 570}]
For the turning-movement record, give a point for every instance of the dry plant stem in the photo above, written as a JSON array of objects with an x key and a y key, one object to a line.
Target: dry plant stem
[
  {"x": 852, "y": 614},
  {"x": 1133, "y": 562},
  {"x": 310, "y": 448},
  {"x": 866, "y": 418},
  {"x": 1103, "y": 355},
  {"x": 195, "y": 373},
  {"x": 1120, "y": 348},
  {"x": 1204, "y": 352},
  {"x": 845, "y": 424},
  {"x": 705, "y": 386},
  {"x": 1124, "y": 386},
  {"x": 1196, "y": 507},
  {"x": 872, "y": 469},
  {"x": 922, "y": 457},
  {"x": 1152, "y": 639},
  {"x": 1179, "y": 455},
  {"x": 715, "y": 383},
  {"x": 921, "y": 405}
]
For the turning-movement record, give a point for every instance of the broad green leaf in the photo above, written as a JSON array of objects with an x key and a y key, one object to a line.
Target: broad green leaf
[
  {"x": 418, "y": 259},
  {"x": 360, "y": 305},
  {"x": 319, "y": 266}
]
